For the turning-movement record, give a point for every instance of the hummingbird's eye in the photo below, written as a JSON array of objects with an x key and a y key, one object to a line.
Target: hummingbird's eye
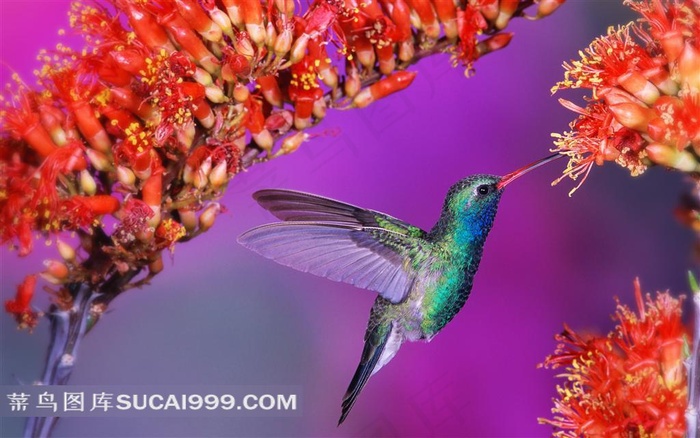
[{"x": 483, "y": 189}]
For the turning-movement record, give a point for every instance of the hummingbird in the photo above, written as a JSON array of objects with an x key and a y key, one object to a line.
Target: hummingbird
[{"x": 423, "y": 278}]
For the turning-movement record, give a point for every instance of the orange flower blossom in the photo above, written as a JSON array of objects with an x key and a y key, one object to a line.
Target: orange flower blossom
[
  {"x": 644, "y": 106},
  {"x": 631, "y": 382},
  {"x": 170, "y": 99}
]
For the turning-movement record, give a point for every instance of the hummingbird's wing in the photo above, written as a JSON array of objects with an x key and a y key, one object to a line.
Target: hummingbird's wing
[
  {"x": 293, "y": 206},
  {"x": 343, "y": 243}
]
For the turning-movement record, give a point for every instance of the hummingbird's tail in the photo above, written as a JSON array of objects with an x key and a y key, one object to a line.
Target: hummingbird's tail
[{"x": 381, "y": 345}]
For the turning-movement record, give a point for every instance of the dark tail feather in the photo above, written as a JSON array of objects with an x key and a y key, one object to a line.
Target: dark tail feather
[{"x": 374, "y": 346}]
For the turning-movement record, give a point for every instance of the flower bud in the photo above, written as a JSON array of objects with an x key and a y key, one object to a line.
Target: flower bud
[
  {"x": 188, "y": 174},
  {"x": 292, "y": 143},
  {"x": 65, "y": 250},
  {"x": 126, "y": 176},
  {"x": 286, "y": 7},
  {"x": 327, "y": 73},
  {"x": 257, "y": 33},
  {"x": 671, "y": 157},
  {"x": 52, "y": 120},
  {"x": 319, "y": 110},
  {"x": 202, "y": 77},
  {"x": 201, "y": 176},
  {"x": 50, "y": 278},
  {"x": 56, "y": 272},
  {"x": 270, "y": 35},
  {"x": 208, "y": 216},
  {"x": 235, "y": 12},
  {"x": 672, "y": 44},
  {"x": 489, "y": 9},
  {"x": 493, "y": 43},
  {"x": 283, "y": 42},
  {"x": 689, "y": 67},
  {"x": 366, "y": 56},
  {"x": 219, "y": 175},
  {"x": 155, "y": 219},
  {"x": 264, "y": 139},
  {"x": 384, "y": 87},
  {"x": 156, "y": 265},
  {"x": 661, "y": 79},
  {"x": 219, "y": 17},
  {"x": 188, "y": 218},
  {"x": 547, "y": 7},
  {"x": 506, "y": 10},
  {"x": 632, "y": 116},
  {"x": 407, "y": 50},
  {"x": 87, "y": 183},
  {"x": 98, "y": 160},
  {"x": 657, "y": 129},
  {"x": 215, "y": 94},
  {"x": 240, "y": 143},
  {"x": 271, "y": 90},
  {"x": 302, "y": 123},
  {"x": 387, "y": 62},
  {"x": 240, "y": 92},
  {"x": 186, "y": 134},
  {"x": 299, "y": 48},
  {"x": 635, "y": 83},
  {"x": 243, "y": 45},
  {"x": 615, "y": 95},
  {"x": 352, "y": 82}
]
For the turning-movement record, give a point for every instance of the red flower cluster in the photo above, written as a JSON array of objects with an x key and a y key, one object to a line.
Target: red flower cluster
[
  {"x": 169, "y": 99},
  {"x": 645, "y": 104},
  {"x": 630, "y": 383},
  {"x": 20, "y": 307}
]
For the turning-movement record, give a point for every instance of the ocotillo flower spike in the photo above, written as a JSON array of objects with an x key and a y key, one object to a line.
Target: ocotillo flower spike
[
  {"x": 633, "y": 379},
  {"x": 644, "y": 80},
  {"x": 170, "y": 99}
]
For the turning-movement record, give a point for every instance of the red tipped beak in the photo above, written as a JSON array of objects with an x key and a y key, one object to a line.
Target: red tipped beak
[{"x": 507, "y": 179}]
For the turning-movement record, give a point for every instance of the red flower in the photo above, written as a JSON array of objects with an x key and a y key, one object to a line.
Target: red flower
[
  {"x": 133, "y": 222},
  {"x": 21, "y": 119},
  {"x": 20, "y": 307},
  {"x": 169, "y": 99},
  {"x": 631, "y": 382},
  {"x": 304, "y": 90},
  {"x": 470, "y": 23},
  {"x": 169, "y": 232},
  {"x": 645, "y": 87}
]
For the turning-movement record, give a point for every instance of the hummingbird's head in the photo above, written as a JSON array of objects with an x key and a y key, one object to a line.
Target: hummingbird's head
[
  {"x": 475, "y": 194},
  {"x": 471, "y": 205}
]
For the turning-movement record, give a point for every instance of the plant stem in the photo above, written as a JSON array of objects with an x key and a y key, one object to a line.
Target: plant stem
[
  {"x": 68, "y": 327},
  {"x": 67, "y": 330}
]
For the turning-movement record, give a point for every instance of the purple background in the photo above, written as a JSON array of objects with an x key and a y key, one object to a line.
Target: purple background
[{"x": 222, "y": 315}]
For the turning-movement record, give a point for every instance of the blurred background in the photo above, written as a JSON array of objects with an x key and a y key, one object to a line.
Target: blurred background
[{"x": 221, "y": 315}]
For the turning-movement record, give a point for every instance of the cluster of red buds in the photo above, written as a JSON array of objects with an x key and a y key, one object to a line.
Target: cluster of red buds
[
  {"x": 644, "y": 107},
  {"x": 630, "y": 383},
  {"x": 170, "y": 99}
]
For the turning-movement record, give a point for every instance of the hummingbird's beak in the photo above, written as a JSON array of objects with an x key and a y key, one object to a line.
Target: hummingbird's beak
[{"x": 507, "y": 179}]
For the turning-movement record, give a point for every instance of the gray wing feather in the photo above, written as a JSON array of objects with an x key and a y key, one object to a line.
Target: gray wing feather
[
  {"x": 293, "y": 206},
  {"x": 362, "y": 257}
]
